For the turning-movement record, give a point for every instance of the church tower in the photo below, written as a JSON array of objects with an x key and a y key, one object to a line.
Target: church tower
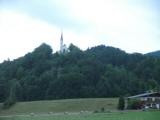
[
  {"x": 61, "y": 43},
  {"x": 63, "y": 47}
]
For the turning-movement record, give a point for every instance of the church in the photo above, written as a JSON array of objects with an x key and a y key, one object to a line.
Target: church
[{"x": 63, "y": 47}]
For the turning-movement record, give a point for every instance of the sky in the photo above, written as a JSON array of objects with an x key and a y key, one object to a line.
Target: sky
[{"x": 131, "y": 25}]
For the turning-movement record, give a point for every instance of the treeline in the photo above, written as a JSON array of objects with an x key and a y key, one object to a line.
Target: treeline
[
  {"x": 154, "y": 54},
  {"x": 97, "y": 72}
]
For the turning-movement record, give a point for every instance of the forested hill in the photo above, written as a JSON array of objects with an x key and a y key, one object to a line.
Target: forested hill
[
  {"x": 154, "y": 54},
  {"x": 97, "y": 72}
]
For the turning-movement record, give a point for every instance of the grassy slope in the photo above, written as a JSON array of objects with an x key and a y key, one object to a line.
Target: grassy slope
[
  {"x": 100, "y": 116},
  {"x": 68, "y": 105}
]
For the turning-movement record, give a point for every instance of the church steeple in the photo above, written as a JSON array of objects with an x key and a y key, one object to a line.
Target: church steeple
[
  {"x": 63, "y": 47},
  {"x": 61, "y": 43}
]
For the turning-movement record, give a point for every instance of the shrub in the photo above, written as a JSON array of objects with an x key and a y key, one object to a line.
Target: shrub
[
  {"x": 11, "y": 100},
  {"x": 135, "y": 104},
  {"x": 121, "y": 103},
  {"x": 8, "y": 103},
  {"x": 102, "y": 109},
  {"x": 95, "y": 111}
]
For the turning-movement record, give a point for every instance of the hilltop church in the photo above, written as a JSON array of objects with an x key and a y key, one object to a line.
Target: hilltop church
[{"x": 63, "y": 47}]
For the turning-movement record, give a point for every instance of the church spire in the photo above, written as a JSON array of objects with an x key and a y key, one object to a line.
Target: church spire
[
  {"x": 61, "y": 42},
  {"x": 63, "y": 47}
]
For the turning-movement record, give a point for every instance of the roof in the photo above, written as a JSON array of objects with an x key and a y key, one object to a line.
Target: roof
[{"x": 142, "y": 95}]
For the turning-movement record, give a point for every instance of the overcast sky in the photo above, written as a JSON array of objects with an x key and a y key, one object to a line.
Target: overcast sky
[{"x": 131, "y": 25}]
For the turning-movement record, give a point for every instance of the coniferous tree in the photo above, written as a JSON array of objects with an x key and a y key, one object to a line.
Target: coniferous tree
[{"x": 121, "y": 103}]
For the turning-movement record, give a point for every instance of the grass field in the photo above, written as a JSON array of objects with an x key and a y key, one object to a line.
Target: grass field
[
  {"x": 69, "y": 109},
  {"x": 149, "y": 115},
  {"x": 56, "y": 106}
]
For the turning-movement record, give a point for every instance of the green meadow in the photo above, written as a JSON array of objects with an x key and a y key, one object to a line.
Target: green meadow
[
  {"x": 149, "y": 115},
  {"x": 74, "y": 109},
  {"x": 60, "y": 106}
]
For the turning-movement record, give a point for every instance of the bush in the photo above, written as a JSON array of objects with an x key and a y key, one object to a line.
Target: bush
[
  {"x": 8, "y": 103},
  {"x": 95, "y": 111},
  {"x": 102, "y": 109},
  {"x": 121, "y": 103},
  {"x": 135, "y": 104},
  {"x": 11, "y": 100}
]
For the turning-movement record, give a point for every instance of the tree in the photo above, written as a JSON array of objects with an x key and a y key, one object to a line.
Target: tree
[
  {"x": 96, "y": 72},
  {"x": 13, "y": 94},
  {"x": 43, "y": 51},
  {"x": 121, "y": 103}
]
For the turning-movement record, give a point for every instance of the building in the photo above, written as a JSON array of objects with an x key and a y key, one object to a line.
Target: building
[
  {"x": 148, "y": 99},
  {"x": 63, "y": 47}
]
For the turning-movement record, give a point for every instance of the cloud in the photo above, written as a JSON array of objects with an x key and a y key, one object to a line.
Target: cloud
[
  {"x": 20, "y": 34},
  {"x": 131, "y": 25},
  {"x": 50, "y": 11}
]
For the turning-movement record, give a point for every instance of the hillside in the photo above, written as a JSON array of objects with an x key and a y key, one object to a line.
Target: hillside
[
  {"x": 58, "y": 106},
  {"x": 98, "y": 72},
  {"x": 154, "y": 54}
]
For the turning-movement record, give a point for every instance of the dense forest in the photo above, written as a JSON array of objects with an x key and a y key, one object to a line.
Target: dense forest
[
  {"x": 100, "y": 71},
  {"x": 154, "y": 54}
]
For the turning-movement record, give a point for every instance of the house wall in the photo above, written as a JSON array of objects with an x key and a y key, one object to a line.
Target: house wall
[
  {"x": 148, "y": 102},
  {"x": 151, "y": 102}
]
